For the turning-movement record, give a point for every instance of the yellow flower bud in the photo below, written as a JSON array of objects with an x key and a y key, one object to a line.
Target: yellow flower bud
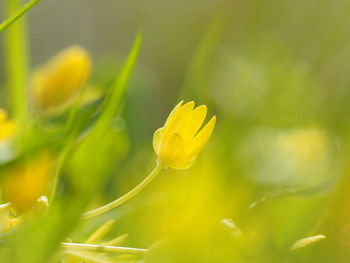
[
  {"x": 55, "y": 84},
  {"x": 25, "y": 182},
  {"x": 178, "y": 143},
  {"x": 7, "y": 128}
]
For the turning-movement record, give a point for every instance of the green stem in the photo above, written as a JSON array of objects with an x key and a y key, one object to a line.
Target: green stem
[
  {"x": 18, "y": 14},
  {"x": 99, "y": 248},
  {"x": 62, "y": 158},
  {"x": 70, "y": 143},
  {"x": 16, "y": 64},
  {"x": 126, "y": 197}
]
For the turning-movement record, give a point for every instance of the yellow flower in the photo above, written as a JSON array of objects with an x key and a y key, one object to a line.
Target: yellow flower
[
  {"x": 55, "y": 84},
  {"x": 178, "y": 143},
  {"x": 7, "y": 128},
  {"x": 25, "y": 182}
]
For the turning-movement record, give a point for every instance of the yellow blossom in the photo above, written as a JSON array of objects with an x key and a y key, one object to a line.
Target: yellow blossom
[
  {"x": 56, "y": 83},
  {"x": 25, "y": 182},
  {"x": 7, "y": 128},
  {"x": 178, "y": 143}
]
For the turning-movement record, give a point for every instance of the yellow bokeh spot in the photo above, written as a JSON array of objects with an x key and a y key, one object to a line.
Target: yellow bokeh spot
[
  {"x": 7, "y": 128},
  {"x": 25, "y": 182}
]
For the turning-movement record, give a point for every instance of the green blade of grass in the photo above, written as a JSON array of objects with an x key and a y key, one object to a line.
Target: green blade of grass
[
  {"x": 17, "y": 15},
  {"x": 113, "y": 101}
]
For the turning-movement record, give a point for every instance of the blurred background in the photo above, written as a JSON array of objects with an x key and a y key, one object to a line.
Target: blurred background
[{"x": 276, "y": 75}]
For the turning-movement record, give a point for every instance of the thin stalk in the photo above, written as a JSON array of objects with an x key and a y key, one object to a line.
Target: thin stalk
[
  {"x": 116, "y": 241},
  {"x": 97, "y": 235},
  {"x": 62, "y": 158},
  {"x": 137, "y": 189},
  {"x": 18, "y": 14},
  {"x": 99, "y": 248},
  {"x": 70, "y": 141},
  {"x": 16, "y": 64}
]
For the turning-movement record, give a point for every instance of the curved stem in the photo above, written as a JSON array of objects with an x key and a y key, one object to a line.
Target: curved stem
[
  {"x": 18, "y": 14},
  {"x": 126, "y": 197}
]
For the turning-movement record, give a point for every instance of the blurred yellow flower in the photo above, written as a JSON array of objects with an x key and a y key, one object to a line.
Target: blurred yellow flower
[
  {"x": 7, "y": 128},
  {"x": 306, "y": 147},
  {"x": 56, "y": 83},
  {"x": 299, "y": 157},
  {"x": 178, "y": 143},
  {"x": 25, "y": 182}
]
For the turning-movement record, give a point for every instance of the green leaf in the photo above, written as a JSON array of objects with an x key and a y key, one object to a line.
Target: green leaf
[{"x": 114, "y": 99}]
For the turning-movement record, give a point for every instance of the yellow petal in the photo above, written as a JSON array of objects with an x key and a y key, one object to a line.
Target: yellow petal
[
  {"x": 194, "y": 122},
  {"x": 182, "y": 164},
  {"x": 156, "y": 139},
  {"x": 178, "y": 106},
  {"x": 200, "y": 140},
  {"x": 178, "y": 119},
  {"x": 171, "y": 149}
]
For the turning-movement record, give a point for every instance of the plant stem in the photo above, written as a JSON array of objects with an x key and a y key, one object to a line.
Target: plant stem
[
  {"x": 99, "y": 248},
  {"x": 16, "y": 64},
  {"x": 70, "y": 142},
  {"x": 18, "y": 14},
  {"x": 126, "y": 197},
  {"x": 62, "y": 158}
]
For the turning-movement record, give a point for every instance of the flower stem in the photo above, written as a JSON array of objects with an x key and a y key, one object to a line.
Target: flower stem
[
  {"x": 126, "y": 197},
  {"x": 99, "y": 248},
  {"x": 18, "y": 14}
]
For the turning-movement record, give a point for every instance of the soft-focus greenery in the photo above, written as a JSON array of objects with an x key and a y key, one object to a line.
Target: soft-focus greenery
[{"x": 275, "y": 171}]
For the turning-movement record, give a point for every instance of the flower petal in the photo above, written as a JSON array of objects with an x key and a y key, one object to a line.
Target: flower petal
[
  {"x": 156, "y": 139},
  {"x": 171, "y": 149},
  {"x": 194, "y": 122},
  {"x": 200, "y": 140},
  {"x": 178, "y": 119},
  {"x": 178, "y": 106},
  {"x": 182, "y": 164}
]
